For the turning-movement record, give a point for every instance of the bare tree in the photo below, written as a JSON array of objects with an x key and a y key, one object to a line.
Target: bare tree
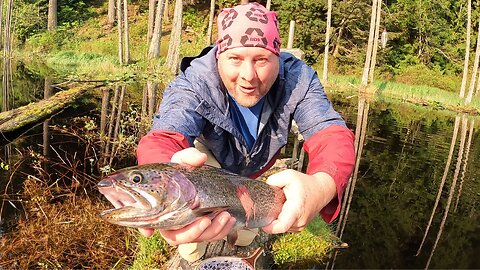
[
  {"x": 152, "y": 4},
  {"x": 111, "y": 13},
  {"x": 7, "y": 55},
  {"x": 154, "y": 49},
  {"x": 126, "y": 53},
  {"x": 368, "y": 58},
  {"x": 52, "y": 14},
  {"x": 467, "y": 49},
  {"x": 375, "y": 41},
  {"x": 468, "y": 99},
  {"x": 120, "y": 30},
  {"x": 327, "y": 42},
  {"x": 210, "y": 22},
  {"x": 175, "y": 37}
]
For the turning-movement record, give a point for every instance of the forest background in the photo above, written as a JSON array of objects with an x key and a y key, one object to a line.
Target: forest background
[{"x": 426, "y": 39}]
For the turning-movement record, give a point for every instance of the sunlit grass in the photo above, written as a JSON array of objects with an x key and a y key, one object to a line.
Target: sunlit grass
[
  {"x": 151, "y": 253},
  {"x": 417, "y": 94},
  {"x": 298, "y": 250}
]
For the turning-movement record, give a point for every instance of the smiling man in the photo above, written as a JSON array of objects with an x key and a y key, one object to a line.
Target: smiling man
[{"x": 232, "y": 107}]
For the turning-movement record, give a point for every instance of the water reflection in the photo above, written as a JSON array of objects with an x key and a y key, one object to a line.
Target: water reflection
[{"x": 403, "y": 159}]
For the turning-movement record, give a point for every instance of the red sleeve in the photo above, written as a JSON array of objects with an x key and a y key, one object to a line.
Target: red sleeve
[
  {"x": 159, "y": 146},
  {"x": 331, "y": 151}
]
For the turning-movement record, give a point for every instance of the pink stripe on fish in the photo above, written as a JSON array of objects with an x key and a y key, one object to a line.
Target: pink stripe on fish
[{"x": 247, "y": 203}]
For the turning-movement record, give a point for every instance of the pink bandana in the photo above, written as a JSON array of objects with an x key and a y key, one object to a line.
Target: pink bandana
[{"x": 250, "y": 25}]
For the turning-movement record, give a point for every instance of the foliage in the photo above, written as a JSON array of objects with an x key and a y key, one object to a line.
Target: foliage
[{"x": 30, "y": 19}]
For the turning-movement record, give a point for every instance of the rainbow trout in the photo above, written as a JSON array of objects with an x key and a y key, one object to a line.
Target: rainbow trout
[{"x": 171, "y": 196}]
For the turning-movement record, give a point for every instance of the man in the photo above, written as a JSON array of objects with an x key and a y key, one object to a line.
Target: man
[{"x": 235, "y": 102}]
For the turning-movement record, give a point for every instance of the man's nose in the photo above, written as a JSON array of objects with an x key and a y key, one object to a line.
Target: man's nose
[{"x": 248, "y": 71}]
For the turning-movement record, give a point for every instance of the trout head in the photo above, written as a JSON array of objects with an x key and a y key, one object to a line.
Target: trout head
[{"x": 147, "y": 196}]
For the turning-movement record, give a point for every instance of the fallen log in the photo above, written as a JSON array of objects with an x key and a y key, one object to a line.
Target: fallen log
[{"x": 32, "y": 113}]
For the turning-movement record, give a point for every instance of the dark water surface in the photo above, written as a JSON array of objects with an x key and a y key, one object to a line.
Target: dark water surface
[{"x": 412, "y": 162}]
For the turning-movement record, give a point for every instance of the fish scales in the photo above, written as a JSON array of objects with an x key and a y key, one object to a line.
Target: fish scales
[{"x": 170, "y": 196}]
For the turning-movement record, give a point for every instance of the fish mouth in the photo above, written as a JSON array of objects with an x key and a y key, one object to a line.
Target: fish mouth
[{"x": 122, "y": 197}]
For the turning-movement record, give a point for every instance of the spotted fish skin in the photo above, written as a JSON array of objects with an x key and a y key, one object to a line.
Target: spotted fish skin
[{"x": 171, "y": 196}]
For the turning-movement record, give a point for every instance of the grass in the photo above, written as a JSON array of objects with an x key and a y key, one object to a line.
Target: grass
[
  {"x": 416, "y": 94},
  {"x": 304, "y": 249}
]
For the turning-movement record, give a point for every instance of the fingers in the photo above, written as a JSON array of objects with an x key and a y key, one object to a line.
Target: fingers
[
  {"x": 190, "y": 156},
  {"x": 280, "y": 179},
  {"x": 147, "y": 232},
  {"x": 285, "y": 220},
  {"x": 201, "y": 230},
  {"x": 187, "y": 234},
  {"x": 221, "y": 225}
]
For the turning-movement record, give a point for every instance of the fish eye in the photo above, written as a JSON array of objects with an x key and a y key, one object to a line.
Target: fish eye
[{"x": 136, "y": 178}]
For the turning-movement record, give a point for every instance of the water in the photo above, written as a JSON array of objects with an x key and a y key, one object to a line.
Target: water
[{"x": 404, "y": 153}]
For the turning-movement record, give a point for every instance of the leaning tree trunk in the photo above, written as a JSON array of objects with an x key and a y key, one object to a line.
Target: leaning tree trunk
[
  {"x": 375, "y": 41},
  {"x": 126, "y": 52},
  {"x": 175, "y": 38},
  {"x": 465, "y": 164},
  {"x": 467, "y": 49},
  {"x": 154, "y": 50},
  {"x": 366, "y": 68},
  {"x": 210, "y": 22},
  {"x": 52, "y": 15},
  {"x": 468, "y": 99},
  {"x": 327, "y": 42}
]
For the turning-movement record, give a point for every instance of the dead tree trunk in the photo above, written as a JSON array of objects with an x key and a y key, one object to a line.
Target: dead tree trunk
[
  {"x": 151, "y": 19},
  {"x": 175, "y": 37},
  {"x": 154, "y": 50},
  {"x": 111, "y": 13},
  {"x": 120, "y": 29},
  {"x": 468, "y": 99},
  {"x": 467, "y": 49},
  {"x": 52, "y": 15},
  {"x": 126, "y": 52},
  {"x": 368, "y": 58},
  {"x": 210, "y": 22},
  {"x": 375, "y": 41},
  {"x": 327, "y": 42}
]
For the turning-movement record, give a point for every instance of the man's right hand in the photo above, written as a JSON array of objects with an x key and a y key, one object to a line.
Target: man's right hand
[{"x": 203, "y": 229}]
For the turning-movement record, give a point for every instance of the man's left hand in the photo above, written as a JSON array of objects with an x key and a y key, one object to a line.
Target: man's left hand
[{"x": 305, "y": 196}]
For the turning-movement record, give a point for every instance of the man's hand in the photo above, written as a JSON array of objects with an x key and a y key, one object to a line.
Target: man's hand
[
  {"x": 306, "y": 195},
  {"x": 203, "y": 229}
]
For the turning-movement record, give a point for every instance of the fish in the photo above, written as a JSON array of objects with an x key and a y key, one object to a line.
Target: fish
[
  {"x": 171, "y": 196},
  {"x": 230, "y": 263}
]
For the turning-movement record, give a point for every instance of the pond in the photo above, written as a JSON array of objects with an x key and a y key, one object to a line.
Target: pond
[{"x": 416, "y": 180}]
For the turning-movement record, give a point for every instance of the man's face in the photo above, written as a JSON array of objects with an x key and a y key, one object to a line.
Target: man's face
[{"x": 248, "y": 73}]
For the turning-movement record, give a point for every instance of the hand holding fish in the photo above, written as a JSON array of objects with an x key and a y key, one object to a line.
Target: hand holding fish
[
  {"x": 306, "y": 195},
  {"x": 203, "y": 229}
]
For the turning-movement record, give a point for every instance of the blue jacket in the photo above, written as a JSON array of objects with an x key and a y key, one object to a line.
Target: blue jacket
[{"x": 196, "y": 105}]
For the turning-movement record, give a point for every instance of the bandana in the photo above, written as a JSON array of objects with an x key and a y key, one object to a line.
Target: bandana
[{"x": 249, "y": 25}]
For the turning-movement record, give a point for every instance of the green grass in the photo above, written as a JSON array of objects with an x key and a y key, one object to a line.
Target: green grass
[
  {"x": 416, "y": 94},
  {"x": 310, "y": 246},
  {"x": 151, "y": 252}
]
